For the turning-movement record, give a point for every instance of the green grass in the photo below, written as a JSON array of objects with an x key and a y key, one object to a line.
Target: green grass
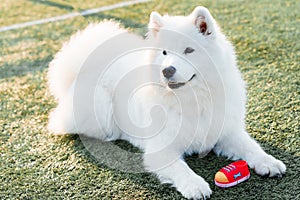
[{"x": 37, "y": 165}]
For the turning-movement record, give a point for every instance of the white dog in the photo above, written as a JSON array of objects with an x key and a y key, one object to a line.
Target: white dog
[{"x": 200, "y": 89}]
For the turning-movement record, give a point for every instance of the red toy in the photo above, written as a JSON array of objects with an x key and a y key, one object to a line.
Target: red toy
[{"x": 232, "y": 174}]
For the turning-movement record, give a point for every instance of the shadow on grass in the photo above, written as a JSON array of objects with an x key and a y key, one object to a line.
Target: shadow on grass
[
  {"x": 145, "y": 180},
  {"x": 23, "y": 67},
  {"x": 54, "y": 4},
  {"x": 256, "y": 187}
]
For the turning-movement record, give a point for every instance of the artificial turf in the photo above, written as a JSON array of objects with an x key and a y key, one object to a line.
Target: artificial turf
[{"x": 37, "y": 165}]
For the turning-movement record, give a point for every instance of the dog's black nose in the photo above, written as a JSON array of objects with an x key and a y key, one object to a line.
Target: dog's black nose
[{"x": 169, "y": 71}]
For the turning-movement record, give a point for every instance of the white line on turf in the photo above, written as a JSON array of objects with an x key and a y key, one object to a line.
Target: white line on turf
[{"x": 74, "y": 14}]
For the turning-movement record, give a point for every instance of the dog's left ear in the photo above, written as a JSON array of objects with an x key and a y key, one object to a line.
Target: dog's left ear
[{"x": 203, "y": 21}]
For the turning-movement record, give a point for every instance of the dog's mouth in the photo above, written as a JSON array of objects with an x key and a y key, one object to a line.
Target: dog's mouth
[{"x": 175, "y": 85}]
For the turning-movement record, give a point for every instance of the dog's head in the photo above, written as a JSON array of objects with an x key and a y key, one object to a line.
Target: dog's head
[{"x": 182, "y": 40}]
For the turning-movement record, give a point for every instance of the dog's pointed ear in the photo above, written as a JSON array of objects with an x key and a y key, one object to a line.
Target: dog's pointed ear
[
  {"x": 155, "y": 23},
  {"x": 203, "y": 21}
]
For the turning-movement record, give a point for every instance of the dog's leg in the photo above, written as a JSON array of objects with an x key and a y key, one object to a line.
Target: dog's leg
[
  {"x": 239, "y": 145},
  {"x": 178, "y": 173}
]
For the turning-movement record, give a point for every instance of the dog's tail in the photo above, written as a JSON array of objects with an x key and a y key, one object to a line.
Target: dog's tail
[{"x": 65, "y": 66}]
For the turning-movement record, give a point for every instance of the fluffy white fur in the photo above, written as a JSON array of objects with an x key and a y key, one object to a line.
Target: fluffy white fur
[{"x": 222, "y": 95}]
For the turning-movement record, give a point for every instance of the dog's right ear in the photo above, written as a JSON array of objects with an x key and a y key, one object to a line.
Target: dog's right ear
[{"x": 155, "y": 23}]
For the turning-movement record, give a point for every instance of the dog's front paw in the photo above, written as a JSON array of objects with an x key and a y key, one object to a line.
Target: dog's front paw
[
  {"x": 268, "y": 166},
  {"x": 194, "y": 188}
]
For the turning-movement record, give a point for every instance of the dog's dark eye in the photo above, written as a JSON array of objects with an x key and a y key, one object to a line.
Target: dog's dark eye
[
  {"x": 164, "y": 52},
  {"x": 188, "y": 50}
]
